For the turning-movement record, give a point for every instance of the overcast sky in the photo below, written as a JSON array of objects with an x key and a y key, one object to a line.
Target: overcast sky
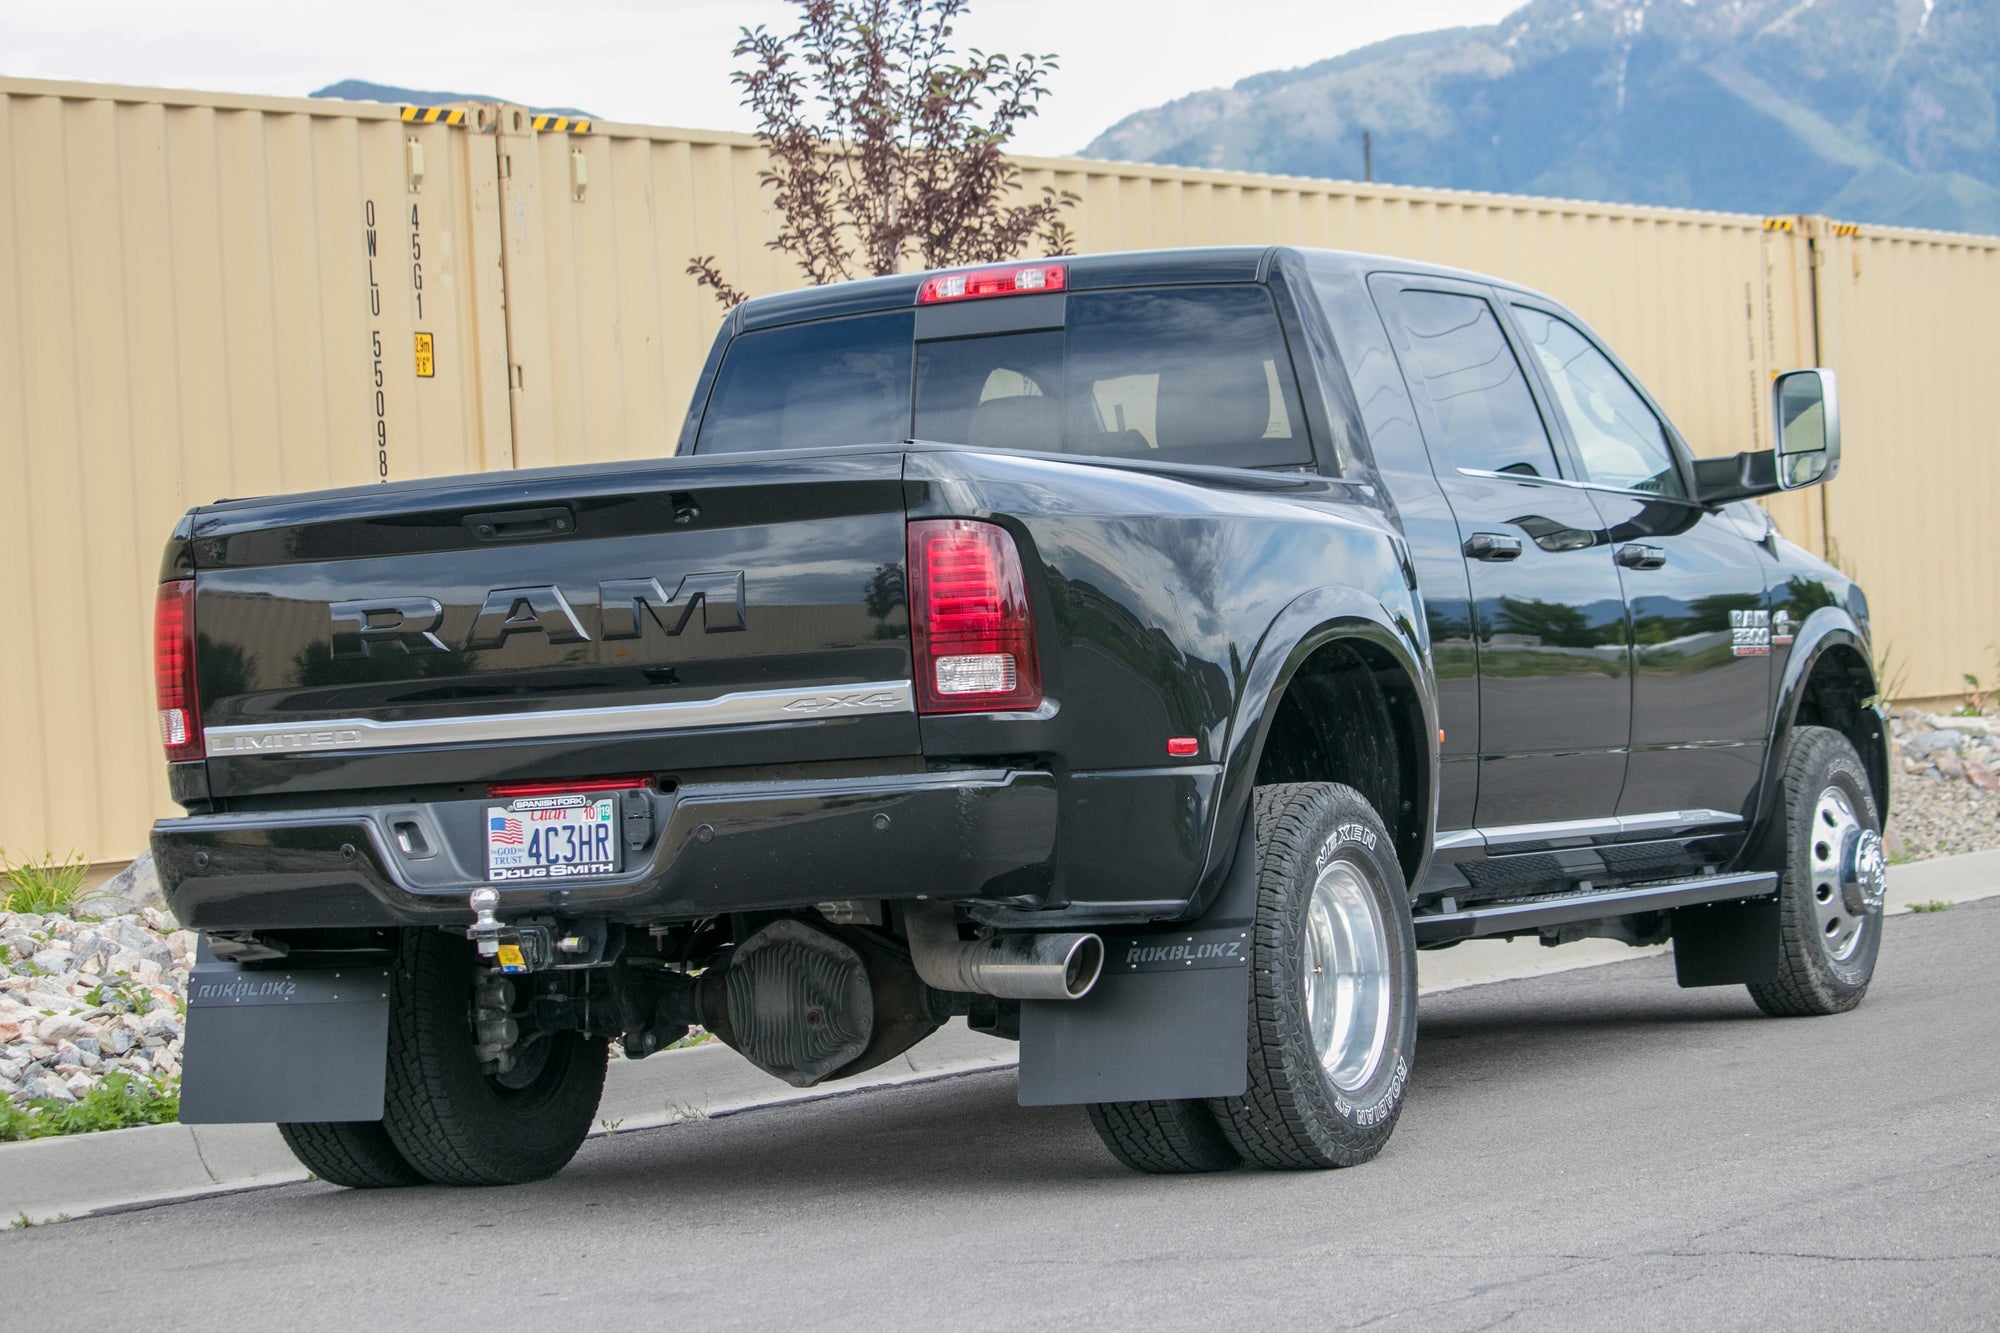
[{"x": 667, "y": 62}]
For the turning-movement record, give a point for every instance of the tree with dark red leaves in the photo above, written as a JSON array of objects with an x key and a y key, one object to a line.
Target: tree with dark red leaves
[{"x": 886, "y": 145}]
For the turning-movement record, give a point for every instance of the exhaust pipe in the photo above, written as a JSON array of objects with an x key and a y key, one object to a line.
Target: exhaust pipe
[{"x": 1010, "y": 967}]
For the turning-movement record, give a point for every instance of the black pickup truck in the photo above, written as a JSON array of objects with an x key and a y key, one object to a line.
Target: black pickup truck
[{"x": 1139, "y": 656}]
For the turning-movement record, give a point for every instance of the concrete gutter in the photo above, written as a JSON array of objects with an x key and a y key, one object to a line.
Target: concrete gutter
[{"x": 73, "y": 1176}]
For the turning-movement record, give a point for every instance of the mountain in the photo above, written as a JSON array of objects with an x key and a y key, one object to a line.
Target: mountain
[
  {"x": 1877, "y": 111},
  {"x": 360, "y": 90}
]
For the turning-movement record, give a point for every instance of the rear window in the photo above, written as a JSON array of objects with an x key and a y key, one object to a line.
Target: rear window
[
  {"x": 1183, "y": 374},
  {"x": 834, "y": 381}
]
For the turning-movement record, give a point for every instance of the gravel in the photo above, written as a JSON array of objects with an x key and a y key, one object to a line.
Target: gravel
[
  {"x": 83, "y": 996},
  {"x": 1944, "y": 796}
]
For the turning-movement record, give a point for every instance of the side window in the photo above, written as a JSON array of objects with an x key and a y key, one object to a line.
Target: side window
[
  {"x": 1619, "y": 440},
  {"x": 1484, "y": 409}
]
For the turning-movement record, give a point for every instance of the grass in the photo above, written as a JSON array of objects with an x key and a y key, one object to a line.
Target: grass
[
  {"x": 23, "y": 1222},
  {"x": 46, "y": 886},
  {"x": 119, "y": 1101},
  {"x": 1934, "y": 905},
  {"x": 122, "y": 995}
]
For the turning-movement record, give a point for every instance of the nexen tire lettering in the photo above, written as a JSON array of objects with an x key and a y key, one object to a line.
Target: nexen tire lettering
[{"x": 1360, "y": 834}]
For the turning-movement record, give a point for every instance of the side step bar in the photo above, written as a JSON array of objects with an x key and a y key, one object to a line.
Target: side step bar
[{"x": 1524, "y": 914}]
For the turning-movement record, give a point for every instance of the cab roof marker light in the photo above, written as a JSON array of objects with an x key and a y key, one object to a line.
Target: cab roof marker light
[{"x": 1003, "y": 280}]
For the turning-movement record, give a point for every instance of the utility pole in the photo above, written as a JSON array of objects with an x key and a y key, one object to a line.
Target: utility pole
[{"x": 1367, "y": 156}]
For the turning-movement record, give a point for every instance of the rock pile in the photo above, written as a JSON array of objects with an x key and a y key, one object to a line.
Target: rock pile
[
  {"x": 82, "y": 998},
  {"x": 1944, "y": 794}
]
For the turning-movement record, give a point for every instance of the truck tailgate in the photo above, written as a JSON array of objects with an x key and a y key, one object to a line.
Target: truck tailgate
[{"x": 681, "y": 614}]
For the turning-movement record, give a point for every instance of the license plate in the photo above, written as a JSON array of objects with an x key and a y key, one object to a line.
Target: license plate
[{"x": 552, "y": 837}]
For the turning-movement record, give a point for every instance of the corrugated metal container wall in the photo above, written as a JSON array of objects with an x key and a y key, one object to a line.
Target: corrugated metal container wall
[
  {"x": 607, "y": 326},
  {"x": 1907, "y": 323},
  {"x": 189, "y": 308},
  {"x": 610, "y": 331}
]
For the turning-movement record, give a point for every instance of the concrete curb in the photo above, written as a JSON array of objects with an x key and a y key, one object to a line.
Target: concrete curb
[
  {"x": 50, "y": 1178},
  {"x": 44, "y": 1179}
]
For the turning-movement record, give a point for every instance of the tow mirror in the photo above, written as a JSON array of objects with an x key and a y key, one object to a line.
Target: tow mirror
[
  {"x": 1808, "y": 413},
  {"x": 1808, "y": 453}
]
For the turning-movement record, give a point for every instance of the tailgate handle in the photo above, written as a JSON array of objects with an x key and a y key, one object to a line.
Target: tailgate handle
[{"x": 513, "y": 525}]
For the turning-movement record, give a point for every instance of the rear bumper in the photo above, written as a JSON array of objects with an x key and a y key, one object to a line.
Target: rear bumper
[{"x": 987, "y": 834}]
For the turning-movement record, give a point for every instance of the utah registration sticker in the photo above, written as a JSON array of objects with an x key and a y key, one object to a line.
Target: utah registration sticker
[{"x": 551, "y": 837}]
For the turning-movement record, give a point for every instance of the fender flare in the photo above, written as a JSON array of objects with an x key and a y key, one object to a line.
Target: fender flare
[
  {"x": 1307, "y": 624},
  {"x": 1826, "y": 629}
]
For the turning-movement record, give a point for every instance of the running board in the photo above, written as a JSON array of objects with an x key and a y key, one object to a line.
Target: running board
[{"x": 1533, "y": 913}]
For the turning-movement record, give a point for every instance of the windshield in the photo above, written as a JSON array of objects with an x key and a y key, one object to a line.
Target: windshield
[{"x": 1181, "y": 374}]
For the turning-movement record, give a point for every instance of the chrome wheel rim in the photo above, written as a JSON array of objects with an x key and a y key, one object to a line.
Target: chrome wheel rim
[
  {"x": 1848, "y": 874},
  {"x": 1346, "y": 976}
]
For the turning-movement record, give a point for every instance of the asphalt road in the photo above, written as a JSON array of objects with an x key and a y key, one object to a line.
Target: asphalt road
[{"x": 1594, "y": 1149}]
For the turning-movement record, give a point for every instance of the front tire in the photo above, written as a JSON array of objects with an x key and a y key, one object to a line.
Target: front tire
[
  {"x": 1333, "y": 1005},
  {"x": 451, "y": 1121},
  {"x": 1830, "y": 893}
]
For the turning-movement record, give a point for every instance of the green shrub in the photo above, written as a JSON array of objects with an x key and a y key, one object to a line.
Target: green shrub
[
  {"x": 119, "y": 1101},
  {"x": 45, "y": 886}
]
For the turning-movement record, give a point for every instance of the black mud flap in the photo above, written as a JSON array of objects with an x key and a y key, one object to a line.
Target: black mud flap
[
  {"x": 1169, "y": 1019},
  {"x": 275, "y": 1043},
  {"x": 1727, "y": 944}
]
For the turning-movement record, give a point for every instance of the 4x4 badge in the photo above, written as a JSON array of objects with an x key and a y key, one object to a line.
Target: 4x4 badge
[{"x": 829, "y": 703}]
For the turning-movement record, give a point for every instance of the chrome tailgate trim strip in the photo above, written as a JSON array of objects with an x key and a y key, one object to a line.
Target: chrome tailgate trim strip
[{"x": 741, "y": 709}]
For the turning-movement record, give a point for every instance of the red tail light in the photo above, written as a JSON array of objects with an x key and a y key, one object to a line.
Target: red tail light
[
  {"x": 173, "y": 670},
  {"x": 1007, "y": 280},
  {"x": 972, "y": 632}
]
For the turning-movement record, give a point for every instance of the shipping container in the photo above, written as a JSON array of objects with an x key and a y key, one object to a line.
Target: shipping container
[
  {"x": 1906, "y": 322},
  {"x": 204, "y": 295}
]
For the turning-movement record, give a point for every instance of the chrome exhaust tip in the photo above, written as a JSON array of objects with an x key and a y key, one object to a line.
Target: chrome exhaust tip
[{"x": 1022, "y": 966}]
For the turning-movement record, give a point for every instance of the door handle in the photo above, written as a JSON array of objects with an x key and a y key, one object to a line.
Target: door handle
[
  {"x": 1492, "y": 546},
  {"x": 1635, "y": 556},
  {"x": 513, "y": 525}
]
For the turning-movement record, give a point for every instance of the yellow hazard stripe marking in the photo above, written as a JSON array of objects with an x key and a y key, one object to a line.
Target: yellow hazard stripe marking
[
  {"x": 433, "y": 115},
  {"x": 560, "y": 125},
  {"x": 1777, "y": 224},
  {"x": 1846, "y": 229}
]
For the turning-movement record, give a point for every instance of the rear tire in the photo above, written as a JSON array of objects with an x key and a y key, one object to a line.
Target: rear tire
[
  {"x": 1830, "y": 894},
  {"x": 450, "y": 1120},
  {"x": 1333, "y": 1003},
  {"x": 1164, "y": 1138},
  {"x": 353, "y": 1153}
]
